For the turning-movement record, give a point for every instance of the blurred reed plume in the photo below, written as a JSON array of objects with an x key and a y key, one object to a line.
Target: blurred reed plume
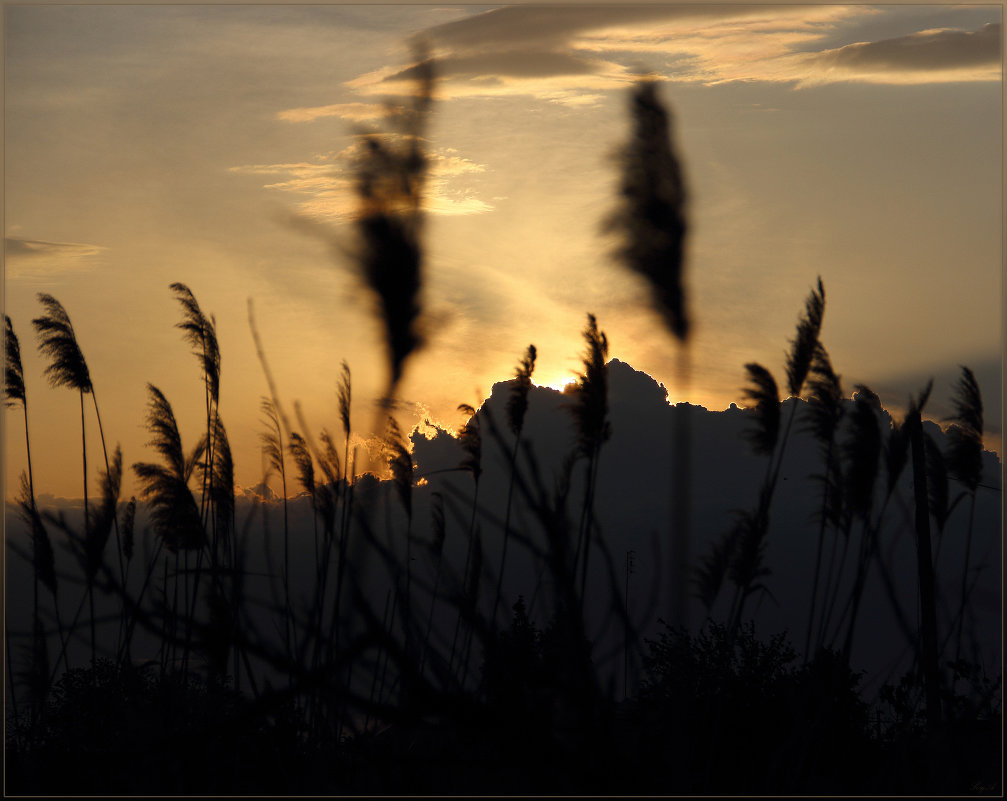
[
  {"x": 652, "y": 224},
  {"x": 391, "y": 175},
  {"x": 651, "y": 219}
]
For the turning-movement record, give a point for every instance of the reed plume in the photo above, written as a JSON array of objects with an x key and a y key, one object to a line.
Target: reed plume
[
  {"x": 929, "y": 657},
  {"x": 651, "y": 218},
  {"x": 389, "y": 187},
  {"x": 400, "y": 463},
  {"x": 517, "y": 400},
  {"x": 201, "y": 334},
  {"x": 103, "y": 516},
  {"x": 965, "y": 464},
  {"x": 58, "y": 341},
  {"x": 470, "y": 438},
  {"x": 43, "y": 558},
  {"x": 965, "y": 449},
  {"x": 272, "y": 449},
  {"x": 862, "y": 449},
  {"x": 825, "y": 412},
  {"x": 589, "y": 410},
  {"x": 805, "y": 344},
  {"x": 14, "y": 390},
  {"x": 174, "y": 513},
  {"x": 222, "y": 484},
  {"x": 766, "y": 417},
  {"x": 517, "y": 408}
]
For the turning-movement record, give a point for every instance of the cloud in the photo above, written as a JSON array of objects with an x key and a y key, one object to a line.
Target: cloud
[
  {"x": 931, "y": 55},
  {"x": 39, "y": 257},
  {"x": 518, "y": 26},
  {"x": 574, "y": 54},
  {"x": 327, "y": 184},
  {"x": 352, "y": 112}
]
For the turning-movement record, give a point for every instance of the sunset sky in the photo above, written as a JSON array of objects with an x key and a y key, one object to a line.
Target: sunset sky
[{"x": 210, "y": 145}]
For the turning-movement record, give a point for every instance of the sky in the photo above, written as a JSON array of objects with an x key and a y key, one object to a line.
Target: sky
[{"x": 212, "y": 145}]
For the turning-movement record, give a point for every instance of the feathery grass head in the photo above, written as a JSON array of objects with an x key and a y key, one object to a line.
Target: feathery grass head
[
  {"x": 804, "y": 346},
  {"x": 400, "y": 462},
  {"x": 330, "y": 461},
  {"x": 345, "y": 396},
  {"x": 391, "y": 174},
  {"x": 965, "y": 436},
  {"x": 13, "y": 372},
  {"x": 164, "y": 431},
  {"x": 56, "y": 339},
  {"x": 201, "y": 333},
  {"x": 862, "y": 449},
  {"x": 302, "y": 460},
  {"x": 174, "y": 512},
  {"x": 271, "y": 438},
  {"x": 43, "y": 558},
  {"x": 222, "y": 479},
  {"x": 651, "y": 217},
  {"x": 517, "y": 401},
  {"x": 764, "y": 433},
  {"x": 825, "y": 399},
  {"x": 590, "y": 405},
  {"x": 471, "y": 441},
  {"x": 102, "y": 516}
]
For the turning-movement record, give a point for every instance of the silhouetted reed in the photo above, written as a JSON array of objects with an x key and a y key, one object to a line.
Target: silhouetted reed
[
  {"x": 592, "y": 428},
  {"x": 532, "y": 705},
  {"x": 965, "y": 464},
  {"x": 517, "y": 407},
  {"x": 651, "y": 220},
  {"x": 390, "y": 181}
]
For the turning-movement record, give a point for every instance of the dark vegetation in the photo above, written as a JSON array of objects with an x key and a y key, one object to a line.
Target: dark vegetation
[{"x": 401, "y": 673}]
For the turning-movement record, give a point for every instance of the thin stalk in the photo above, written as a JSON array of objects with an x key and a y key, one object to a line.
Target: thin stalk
[
  {"x": 818, "y": 556},
  {"x": 965, "y": 573},
  {"x": 506, "y": 536}
]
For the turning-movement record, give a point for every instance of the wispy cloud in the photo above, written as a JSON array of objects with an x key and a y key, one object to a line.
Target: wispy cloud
[
  {"x": 927, "y": 56},
  {"x": 326, "y": 185},
  {"x": 352, "y": 112},
  {"x": 570, "y": 54},
  {"x": 38, "y": 258}
]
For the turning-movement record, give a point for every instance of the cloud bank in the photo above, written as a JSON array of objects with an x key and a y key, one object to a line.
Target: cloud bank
[{"x": 568, "y": 52}]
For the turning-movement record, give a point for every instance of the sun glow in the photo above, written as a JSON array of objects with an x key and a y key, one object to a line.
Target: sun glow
[{"x": 559, "y": 381}]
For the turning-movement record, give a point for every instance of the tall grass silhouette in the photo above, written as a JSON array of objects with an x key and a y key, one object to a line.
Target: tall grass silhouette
[{"x": 366, "y": 652}]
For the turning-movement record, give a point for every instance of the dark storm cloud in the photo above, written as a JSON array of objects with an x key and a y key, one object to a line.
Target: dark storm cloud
[{"x": 926, "y": 50}]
